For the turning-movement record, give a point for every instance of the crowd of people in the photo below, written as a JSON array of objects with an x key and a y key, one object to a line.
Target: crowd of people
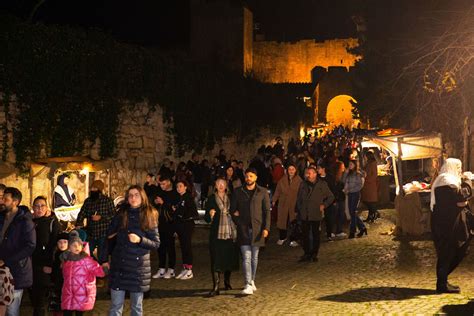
[{"x": 320, "y": 180}]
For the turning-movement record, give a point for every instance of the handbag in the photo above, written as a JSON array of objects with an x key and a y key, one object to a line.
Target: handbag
[{"x": 7, "y": 287}]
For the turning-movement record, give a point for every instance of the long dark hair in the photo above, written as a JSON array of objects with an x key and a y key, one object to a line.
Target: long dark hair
[
  {"x": 148, "y": 214},
  {"x": 356, "y": 167}
]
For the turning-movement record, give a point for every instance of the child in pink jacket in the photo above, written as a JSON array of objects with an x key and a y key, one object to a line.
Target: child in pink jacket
[{"x": 79, "y": 272}]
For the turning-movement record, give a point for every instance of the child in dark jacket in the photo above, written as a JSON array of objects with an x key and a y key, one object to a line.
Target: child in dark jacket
[{"x": 57, "y": 274}]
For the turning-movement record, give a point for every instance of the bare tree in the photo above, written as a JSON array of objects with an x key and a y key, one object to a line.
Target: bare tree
[{"x": 441, "y": 73}]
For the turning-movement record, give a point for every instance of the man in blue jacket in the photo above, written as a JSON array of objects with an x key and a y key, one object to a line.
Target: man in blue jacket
[{"x": 17, "y": 243}]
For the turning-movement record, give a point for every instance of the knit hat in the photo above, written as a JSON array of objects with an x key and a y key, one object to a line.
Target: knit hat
[
  {"x": 74, "y": 237},
  {"x": 98, "y": 184},
  {"x": 62, "y": 235}
]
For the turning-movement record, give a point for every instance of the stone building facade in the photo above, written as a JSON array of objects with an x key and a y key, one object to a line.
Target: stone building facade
[
  {"x": 143, "y": 141},
  {"x": 222, "y": 31}
]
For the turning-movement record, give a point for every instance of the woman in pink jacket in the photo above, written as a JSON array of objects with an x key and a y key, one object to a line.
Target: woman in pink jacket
[{"x": 79, "y": 272}]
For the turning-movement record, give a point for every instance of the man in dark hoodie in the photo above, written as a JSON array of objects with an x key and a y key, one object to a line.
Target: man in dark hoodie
[{"x": 17, "y": 243}]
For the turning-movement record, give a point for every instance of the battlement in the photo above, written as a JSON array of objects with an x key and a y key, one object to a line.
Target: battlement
[{"x": 282, "y": 62}]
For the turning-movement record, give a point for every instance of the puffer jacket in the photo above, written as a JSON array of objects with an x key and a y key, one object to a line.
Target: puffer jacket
[
  {"x": 130, "y": 267},
  {"x": 17, "y": 247},
  {"x": 79, "y": 290}
]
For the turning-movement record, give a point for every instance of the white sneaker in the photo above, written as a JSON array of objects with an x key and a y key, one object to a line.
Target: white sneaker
[
  {"x": 169, "y": 274},
  {"x": 185, "y": 275},
  {"x": 254, "y": 288},
  {"x": 181, "y": 274},
  {"x": 333, "y": 235},
  {"x": 160, "y": 274},
  {"x": 247, "y": 290},
  {"x": 341, "y": 235},
  {"x": 280, "y": 242},
  {"x": 294, "y": 244}
]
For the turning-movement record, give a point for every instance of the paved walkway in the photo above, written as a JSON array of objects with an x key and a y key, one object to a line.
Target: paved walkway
[{"x": 377, "y": 274}]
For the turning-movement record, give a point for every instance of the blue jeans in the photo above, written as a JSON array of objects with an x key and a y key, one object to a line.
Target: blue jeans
[
  {"x": 249, "y": 262},
  {"x": 99, "y": 243},
  {"x": 14, "y": 308},
  {"x": 118, "y": 299},
  {"x": 355, "y": 219}
]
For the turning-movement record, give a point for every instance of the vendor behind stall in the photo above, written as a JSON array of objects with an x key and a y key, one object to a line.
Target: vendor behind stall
[{"x": 63, "y": 193}]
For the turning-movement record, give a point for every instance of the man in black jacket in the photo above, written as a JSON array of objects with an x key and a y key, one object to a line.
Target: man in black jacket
[
  {"x": 250, "y": 209},
  {"x": 314, "y": 196},
  {"x": 17, "y": 243},
  {"x": 329, "y": 212}
]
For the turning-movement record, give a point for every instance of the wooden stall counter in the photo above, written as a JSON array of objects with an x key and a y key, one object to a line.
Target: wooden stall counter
[{"x": 413, "y": 213}]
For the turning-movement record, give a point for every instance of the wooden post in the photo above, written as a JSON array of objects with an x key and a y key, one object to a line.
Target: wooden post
[
  {"x": 465, "y": 138},
  {"x": 399, "y": 172}
]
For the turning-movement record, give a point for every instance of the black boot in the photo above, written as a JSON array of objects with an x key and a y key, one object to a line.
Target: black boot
[
  {"x": 362, "y": 232},
  {"x": 216, "y": 276},
  {"x": 351, "y": 235},
  {"x": 227, "y": 285}
]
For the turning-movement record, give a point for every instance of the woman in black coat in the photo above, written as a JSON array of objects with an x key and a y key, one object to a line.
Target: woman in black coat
[
  {"x": 448, "y": 223},
  {"x": 185, "y": 212},
  {"x": 132, "y": 234},
  {"x": 47, "y": 229},
  {"x": 222, "y": 234}
]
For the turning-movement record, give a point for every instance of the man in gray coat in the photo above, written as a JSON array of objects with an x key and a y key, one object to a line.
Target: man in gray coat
[
  {"x": 250, "y": 209},
  {"x": 313, "y": 197}
]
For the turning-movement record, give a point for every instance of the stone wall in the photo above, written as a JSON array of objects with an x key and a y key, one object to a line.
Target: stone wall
[
  {"x": 143, "y": 142},
  {"x": 281, "y": 62}
]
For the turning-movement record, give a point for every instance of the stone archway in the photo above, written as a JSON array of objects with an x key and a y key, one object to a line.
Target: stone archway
[{"x": 339, "y": 110}]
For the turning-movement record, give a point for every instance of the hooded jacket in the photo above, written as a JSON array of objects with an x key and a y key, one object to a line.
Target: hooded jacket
[
  {"x": 79, "y": 288},
  {"x": 18, "y": 245}
]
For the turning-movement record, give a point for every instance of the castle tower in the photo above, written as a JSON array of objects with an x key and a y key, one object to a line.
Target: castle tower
[{"x": 222, "y": 32}]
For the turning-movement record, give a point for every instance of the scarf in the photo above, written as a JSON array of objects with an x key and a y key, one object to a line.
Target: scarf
[
  {"x": 449, "y": 175},
  {"x": 226, "y": 228}
]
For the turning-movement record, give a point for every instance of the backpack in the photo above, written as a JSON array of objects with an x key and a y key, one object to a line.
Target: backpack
[{"x": 6, "y": 286}]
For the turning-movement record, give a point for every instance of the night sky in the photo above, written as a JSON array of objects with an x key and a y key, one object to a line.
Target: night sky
[{"x": 166, "y": 24}]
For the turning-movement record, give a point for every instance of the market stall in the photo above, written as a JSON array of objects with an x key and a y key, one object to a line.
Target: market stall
[
  {"x": 411, "y": 203},
  {"x": 44, "y": 176}
]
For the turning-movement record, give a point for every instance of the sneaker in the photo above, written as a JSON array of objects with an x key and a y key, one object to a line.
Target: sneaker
[
  {"x": 247, "y": 290},
  {"x": 181, "y": 274},
  {"x": 254, "y": 288},
  {"x": 294, "y": 244},
  {"x": 160, "y": 274},
  {"x": 341, "y": 235},
  {"x": 188, "y": 274},
  {"x": 169, "y": 274},
  {"x": 280, "y": 242}
]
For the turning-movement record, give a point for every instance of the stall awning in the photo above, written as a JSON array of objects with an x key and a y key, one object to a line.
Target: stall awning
[
  {"x": 70, "y": 163},
  {"x": 409, "y": 146}
]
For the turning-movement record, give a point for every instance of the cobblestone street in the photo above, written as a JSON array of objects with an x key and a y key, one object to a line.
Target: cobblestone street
[{"x": 372, "y": 275}]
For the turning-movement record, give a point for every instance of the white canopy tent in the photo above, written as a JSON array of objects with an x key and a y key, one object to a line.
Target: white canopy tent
[{"x": 409, "y": 146}]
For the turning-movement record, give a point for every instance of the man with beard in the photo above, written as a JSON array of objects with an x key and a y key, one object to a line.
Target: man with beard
[
  {"x": 98, "y": 209},
  {"x": 314, "y": 196},
  {"x": 17, "y": 243},
  {"x": 250, "y": 209}
]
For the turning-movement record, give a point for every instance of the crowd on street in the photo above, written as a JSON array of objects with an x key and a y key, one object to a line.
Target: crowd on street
[{"x": 306, "y": 187}]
